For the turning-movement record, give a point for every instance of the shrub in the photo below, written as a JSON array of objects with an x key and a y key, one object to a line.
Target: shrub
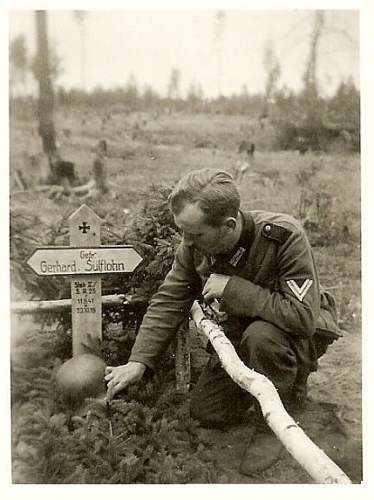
[{"x": 325, "y": 225}]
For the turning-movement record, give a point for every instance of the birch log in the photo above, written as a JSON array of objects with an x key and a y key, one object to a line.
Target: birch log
[{"x": 315, "y": 462}]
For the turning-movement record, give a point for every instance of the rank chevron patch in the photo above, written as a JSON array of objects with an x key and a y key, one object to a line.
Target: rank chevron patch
[{"x": 299, "y": 291}]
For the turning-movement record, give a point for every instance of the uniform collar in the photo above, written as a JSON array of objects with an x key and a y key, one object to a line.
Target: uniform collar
[{"x": 237, "y": 256}]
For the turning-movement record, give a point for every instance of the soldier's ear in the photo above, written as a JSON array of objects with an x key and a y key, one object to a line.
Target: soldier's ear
[{"x": 230, "y": 223}]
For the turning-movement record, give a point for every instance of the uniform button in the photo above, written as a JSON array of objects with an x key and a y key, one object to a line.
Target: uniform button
[{"x": 267, "y": 228}]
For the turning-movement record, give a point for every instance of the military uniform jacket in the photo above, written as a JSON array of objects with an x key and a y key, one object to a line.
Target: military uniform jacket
[{"x": 273, "y": 278}]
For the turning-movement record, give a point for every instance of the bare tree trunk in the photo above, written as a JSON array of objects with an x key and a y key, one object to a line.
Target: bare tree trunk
[
  {"x": 310, "y": 76},
  {"x": 99, "y": 168},
  {"x": 46, "y": 96}
]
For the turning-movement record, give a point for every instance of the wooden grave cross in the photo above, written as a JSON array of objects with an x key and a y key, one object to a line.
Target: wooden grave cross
[
  {"x": 85, "y": 260},
  {"x": 84, "y": 230}
]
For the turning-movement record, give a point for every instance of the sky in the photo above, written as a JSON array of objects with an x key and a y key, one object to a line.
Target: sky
[{"x": 147, "y": 44}]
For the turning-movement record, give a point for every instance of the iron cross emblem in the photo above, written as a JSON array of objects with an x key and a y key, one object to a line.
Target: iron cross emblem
[{"x": 84, "y": 227}]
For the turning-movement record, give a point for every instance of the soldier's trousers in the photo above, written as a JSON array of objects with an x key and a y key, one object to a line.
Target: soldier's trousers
[{"x": 217, "y": 400}]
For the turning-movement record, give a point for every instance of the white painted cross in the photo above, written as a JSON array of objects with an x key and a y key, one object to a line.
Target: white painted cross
[{"x": 84, "y": 260}]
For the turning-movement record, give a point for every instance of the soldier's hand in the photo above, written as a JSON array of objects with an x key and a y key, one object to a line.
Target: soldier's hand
[
  {"x": 119, "y": 377},
  {"x": 215, "y": 286}
]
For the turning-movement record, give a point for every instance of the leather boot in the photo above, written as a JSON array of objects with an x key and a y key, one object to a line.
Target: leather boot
[{"x": 263, "y": 449}]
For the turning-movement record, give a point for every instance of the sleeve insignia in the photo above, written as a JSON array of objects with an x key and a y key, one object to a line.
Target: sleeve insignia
[{"x": 299, "y": 287}]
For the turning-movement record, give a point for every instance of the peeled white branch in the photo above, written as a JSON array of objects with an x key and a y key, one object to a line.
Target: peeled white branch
[{"x": 316, "y": 463}]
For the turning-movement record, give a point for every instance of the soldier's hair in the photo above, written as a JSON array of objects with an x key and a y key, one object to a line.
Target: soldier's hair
[{"x": 213, "y": 190}]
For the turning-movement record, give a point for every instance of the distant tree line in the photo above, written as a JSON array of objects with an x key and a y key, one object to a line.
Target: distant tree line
[
  {"x": 342, "y": 106},
  {"x": 303, "y": 120},
  {"x": 334, "y": 117}
]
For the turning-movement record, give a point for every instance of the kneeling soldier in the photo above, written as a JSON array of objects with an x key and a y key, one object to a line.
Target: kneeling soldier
[{"x": 259, "y": 266}]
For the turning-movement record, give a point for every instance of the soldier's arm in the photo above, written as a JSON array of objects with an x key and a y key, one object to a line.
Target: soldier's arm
[
  {"x": 167, "y": 310},
  {"x": 295, "y": 305}
]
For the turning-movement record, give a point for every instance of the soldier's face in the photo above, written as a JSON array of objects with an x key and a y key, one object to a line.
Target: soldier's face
[{"x": 209, "y": 240}]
